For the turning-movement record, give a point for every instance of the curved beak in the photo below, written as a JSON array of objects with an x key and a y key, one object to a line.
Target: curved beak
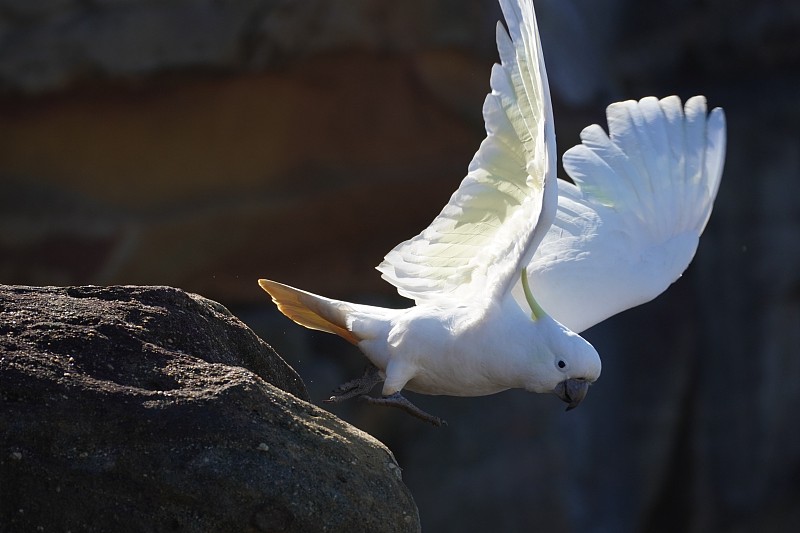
[{"x": 572, "y": 391}]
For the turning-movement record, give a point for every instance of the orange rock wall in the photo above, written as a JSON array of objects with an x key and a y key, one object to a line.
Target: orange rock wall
[{"x": 207, "y": 182}]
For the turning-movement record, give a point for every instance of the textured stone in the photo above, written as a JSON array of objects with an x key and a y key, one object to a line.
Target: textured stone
[
  {"x": 149, "y": 409},
  {"x": 50, "y": 45}
]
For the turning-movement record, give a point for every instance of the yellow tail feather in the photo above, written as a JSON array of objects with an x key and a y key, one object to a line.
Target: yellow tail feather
[{"x": 310, "y": 310}]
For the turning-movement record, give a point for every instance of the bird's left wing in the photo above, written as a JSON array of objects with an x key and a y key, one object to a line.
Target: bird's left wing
[
  {"x": 474, "y": 249},
  {"x": 631, "y": 223}
]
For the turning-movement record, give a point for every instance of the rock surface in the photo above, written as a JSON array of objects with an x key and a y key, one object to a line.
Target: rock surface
[
  {"x": 49, "y": 45},
  {"x": 150, "y": 409}
]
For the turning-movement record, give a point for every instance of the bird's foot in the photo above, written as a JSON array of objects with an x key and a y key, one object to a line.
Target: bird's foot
[
  {"x": 361, "y": 386},
  {"x": 357, "y": 387},
  {"x": 399, "y": 401}
]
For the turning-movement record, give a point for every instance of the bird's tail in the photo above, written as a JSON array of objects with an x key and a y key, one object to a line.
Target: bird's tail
[{"x": 316, "y": 312}]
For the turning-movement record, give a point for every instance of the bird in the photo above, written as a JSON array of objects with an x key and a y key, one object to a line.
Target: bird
[{"x": 519, "y": 262}]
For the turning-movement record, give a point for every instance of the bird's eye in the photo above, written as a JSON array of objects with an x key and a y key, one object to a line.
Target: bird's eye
[{"x": 561, "y": 364}]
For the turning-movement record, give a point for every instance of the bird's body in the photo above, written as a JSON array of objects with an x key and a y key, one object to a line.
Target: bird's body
[
  {"x": 619, "y": 236},
  {"x": 444, "y": 350},
  {"x": 456, "y": 351}
]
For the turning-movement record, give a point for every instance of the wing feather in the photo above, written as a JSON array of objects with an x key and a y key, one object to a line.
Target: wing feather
[
  {"x": 630, "y": 225},
  {"x": 475, "y": 248}
]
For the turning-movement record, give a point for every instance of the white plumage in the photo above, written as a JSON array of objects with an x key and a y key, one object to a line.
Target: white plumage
[
  {"x": 630, "y": 225},
  {"x": 618, "y": 237},
  {"x": 502, "y": 209}
]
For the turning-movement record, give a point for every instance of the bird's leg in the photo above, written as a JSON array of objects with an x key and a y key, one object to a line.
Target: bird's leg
[
  {"x": 399, "y": 401},
  {"x": 357, "y": 387},
  {"x": 361, "y": 386}
]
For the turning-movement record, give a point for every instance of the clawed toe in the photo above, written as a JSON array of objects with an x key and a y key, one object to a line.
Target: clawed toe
[
  {"x": 356, "y": 387},
  {"x": 360, "y": 388},
  {"x": 401, "y": 402}
]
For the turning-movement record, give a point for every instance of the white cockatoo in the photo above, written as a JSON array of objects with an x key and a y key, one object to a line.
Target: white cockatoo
[{"x": 519, "y": 262}]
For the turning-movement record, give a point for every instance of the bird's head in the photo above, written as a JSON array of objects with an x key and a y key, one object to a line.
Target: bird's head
[
  {"x": 579, "y": 365},
  {"x": 566, "y": 364},
  {"x": 576, "y": 365}
]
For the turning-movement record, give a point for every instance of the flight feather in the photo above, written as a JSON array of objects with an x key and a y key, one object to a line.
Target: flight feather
[
  {"x": 630, "y": 224},
  {"x": 474, "y": 249}
]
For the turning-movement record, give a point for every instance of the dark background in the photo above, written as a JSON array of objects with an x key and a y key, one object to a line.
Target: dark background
[{"x": 205, "y": 144}]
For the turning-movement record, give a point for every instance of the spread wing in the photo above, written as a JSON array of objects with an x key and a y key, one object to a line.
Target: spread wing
[
  {"x": 630, "y": 225},
  {"x": 475, "y": 248}
]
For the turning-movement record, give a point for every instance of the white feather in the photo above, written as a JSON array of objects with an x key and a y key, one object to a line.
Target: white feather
[
  {"x": 475, "y": 248},
  {"x": 630, "y": 225}
]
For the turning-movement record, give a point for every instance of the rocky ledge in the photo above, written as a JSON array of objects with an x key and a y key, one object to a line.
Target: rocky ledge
[{"x": 150, "y": 409}]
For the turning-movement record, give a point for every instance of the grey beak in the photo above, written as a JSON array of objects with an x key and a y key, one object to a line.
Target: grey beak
[{"x": 572, "y": 391}]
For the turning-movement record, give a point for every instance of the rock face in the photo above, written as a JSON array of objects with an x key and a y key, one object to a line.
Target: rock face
[
  {"x": 50, "y": 44},
  {"x": 150, "y": 409}
]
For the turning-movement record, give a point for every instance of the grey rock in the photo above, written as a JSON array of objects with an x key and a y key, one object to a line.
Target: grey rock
[
  {"x": 120, "y": 39},
  {"x": 150, "y": 409},
  {"x": 49, "y": 46}
]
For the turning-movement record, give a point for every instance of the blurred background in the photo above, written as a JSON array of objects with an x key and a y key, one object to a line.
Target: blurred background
[{"x": 204, "y": 144}]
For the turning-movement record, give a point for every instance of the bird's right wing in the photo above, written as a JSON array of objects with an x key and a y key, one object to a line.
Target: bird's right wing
[{"x": 630, "y": 225}]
